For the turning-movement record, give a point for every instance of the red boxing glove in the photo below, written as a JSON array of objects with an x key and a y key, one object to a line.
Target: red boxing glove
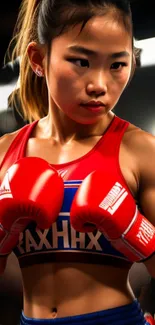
[
  {"x": 149, "y": 319},
  {"x": 102, "y": 202},
  {"x": 31, "y": 191}
]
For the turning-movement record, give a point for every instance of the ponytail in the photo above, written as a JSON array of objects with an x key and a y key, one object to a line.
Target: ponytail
[{"x": 32, "y": 90}]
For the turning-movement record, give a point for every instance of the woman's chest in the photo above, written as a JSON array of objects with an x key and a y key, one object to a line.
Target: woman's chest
[{"x": 77, "y": 159}]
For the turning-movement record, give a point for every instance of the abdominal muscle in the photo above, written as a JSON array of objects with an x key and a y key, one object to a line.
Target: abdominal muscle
[{"x": 61, "y": 290}]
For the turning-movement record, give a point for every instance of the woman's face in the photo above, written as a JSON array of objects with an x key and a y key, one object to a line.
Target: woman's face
[{"x": 92, "y": 65}]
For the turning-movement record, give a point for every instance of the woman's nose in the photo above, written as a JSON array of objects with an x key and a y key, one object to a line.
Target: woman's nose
[{"x": 97, "y": 84}]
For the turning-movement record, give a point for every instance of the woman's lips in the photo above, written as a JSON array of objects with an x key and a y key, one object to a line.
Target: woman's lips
[{"x": 93, "y": 107}]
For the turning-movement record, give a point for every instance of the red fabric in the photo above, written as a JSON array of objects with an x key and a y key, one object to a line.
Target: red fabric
[
  {"x": 17, "y": 147},
  {"x": 106, "y": 150},
  {"x": 104, "y": 154}
]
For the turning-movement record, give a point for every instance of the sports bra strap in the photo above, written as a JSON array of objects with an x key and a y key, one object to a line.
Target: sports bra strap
[{"x": 17, "y": 147}]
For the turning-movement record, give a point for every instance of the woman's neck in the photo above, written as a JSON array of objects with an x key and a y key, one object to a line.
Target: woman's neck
[{"x": 64, "y": 130}]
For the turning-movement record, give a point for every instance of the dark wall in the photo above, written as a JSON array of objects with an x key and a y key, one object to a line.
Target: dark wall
[{"x": 137, "y": 103}]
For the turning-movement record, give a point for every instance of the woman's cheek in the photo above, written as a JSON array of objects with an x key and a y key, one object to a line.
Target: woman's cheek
[
  {"x": 125, "y": 77},
  {"x": 120, "y": 82}
]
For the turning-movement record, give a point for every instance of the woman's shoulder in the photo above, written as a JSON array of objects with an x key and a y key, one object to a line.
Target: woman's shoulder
[
  {"x": 5, "y": 142},
  {"x": 140, "y": 145},
  {"x": 137, "y": 139},
  {"x": 7, "y": 139}
]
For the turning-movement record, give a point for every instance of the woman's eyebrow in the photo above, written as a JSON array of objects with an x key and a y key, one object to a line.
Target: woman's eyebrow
[
  {"x": 84, "y": 50},
  {"x": 120, "y": 54}
]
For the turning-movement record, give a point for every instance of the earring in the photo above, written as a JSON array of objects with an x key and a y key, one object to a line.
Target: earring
[{"x": 39, "y": 72}]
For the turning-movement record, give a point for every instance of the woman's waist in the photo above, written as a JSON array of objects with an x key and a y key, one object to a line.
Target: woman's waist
[
  {"x": 73, "y": 288},
  {"x": 126, "y": 314},
  {"x": 44, "y": 308}
]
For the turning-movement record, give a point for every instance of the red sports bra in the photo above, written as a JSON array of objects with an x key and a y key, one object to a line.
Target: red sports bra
[{"x": 61, "y": 243}]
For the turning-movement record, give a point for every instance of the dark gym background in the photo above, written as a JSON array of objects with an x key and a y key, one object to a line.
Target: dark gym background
[{"x": 136, "y": 105}]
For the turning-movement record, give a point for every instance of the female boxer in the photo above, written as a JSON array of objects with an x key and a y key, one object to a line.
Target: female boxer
[{"x": 77, "y": 58}]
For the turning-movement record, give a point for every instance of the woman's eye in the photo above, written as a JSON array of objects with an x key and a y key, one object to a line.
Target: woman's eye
[
  {"x": 82, "y": 63},
  {"x": 118, "y": 65}
]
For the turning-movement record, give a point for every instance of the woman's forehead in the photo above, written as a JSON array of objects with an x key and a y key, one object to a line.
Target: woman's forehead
[{"x": 98, "y": 32}]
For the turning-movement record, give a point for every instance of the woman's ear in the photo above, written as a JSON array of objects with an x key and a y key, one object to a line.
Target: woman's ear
[{"x": 36, "y": 55}]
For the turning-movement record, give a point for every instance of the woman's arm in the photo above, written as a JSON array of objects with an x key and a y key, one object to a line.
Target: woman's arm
[
  {"x": 146, "y": 197},
  {"x": 5, "y": 142}
]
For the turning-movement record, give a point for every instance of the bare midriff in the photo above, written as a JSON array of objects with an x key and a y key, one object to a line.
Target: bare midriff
[{"x": 61, "y": 290}]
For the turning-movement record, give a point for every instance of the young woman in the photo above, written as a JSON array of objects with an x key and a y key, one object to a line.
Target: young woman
[{"x": 76, "y": 60}]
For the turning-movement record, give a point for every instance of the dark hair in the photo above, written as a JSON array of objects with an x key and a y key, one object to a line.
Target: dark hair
[
  {"x": 55, "y": 17},
  {"x": 42, "y": 21}
]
